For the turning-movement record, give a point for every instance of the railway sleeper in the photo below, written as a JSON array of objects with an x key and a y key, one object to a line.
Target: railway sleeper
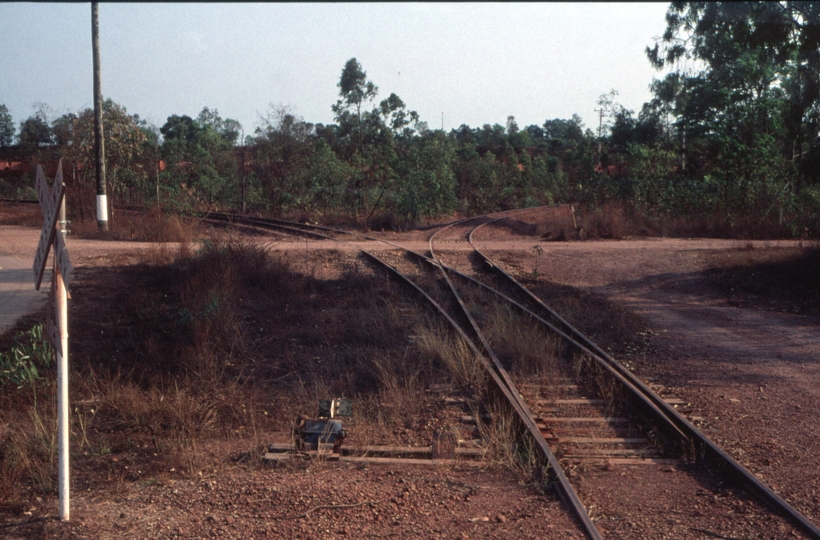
[
  {"x": 588, "y": 432},
  {"x": 468, "y": 452}
]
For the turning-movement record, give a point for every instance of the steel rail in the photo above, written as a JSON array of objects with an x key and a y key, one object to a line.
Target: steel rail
[
  {"x": 565, "y": 490},
  {"x": 708, "y": 448},
  {"x": 439, "y": 264},
  {"x": 673, "y": 435},
  {"x": 651, "y": 408},
  {"x": 502, "y": 378},
  {"x": 20, "y": 201},
  {"x": 287, "y": 226},
  {"x": 671, "y": 420}
]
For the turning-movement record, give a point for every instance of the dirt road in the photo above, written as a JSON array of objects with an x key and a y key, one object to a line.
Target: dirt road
[{"x": 752, "y": 374}]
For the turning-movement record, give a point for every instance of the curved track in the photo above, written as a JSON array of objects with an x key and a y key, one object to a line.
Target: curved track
[
  {"x": 661, "y": 413},
  {"x": 669, "y": 424}
]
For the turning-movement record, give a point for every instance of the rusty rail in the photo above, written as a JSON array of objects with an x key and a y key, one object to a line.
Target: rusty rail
[
  {"x": 492, "y": 365},
  {"x": 502, "y": 379},
  {"x": 706, "y": 448},
  {"x": 665, "y": 417}
]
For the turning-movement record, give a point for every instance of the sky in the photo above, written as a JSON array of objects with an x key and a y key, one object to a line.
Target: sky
[{"x": 477, "y": 63}]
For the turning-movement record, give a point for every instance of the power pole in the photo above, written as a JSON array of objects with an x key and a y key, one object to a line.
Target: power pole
[
  {"x": 242, "y": 146},
  {"x": 99, "y": 148},
  {"x": 600, "y": 129},
  {"x": 156, "y": 165}
]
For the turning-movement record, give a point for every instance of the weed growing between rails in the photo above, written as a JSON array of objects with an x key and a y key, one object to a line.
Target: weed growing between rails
[
  {"x": 509, "y": 444},
  {"x": 614, "y": 328},
  {"x": 521, "y": 344},
  {"x": 440, "y": 346},
  {"x": 506, "y": 441}
]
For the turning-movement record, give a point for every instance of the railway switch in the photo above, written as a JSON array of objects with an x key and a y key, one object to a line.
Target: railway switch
[{"x": 326, "y": 431}]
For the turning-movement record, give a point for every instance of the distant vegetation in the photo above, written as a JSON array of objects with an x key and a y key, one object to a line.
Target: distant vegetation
[{"x": 729, "y": 145}]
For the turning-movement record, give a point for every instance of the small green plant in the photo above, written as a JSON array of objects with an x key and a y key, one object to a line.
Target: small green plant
[
  {"x": 208, "y": 312},
  {"x": 102, "y": 450},
  {"x": 18, "y": 365}
]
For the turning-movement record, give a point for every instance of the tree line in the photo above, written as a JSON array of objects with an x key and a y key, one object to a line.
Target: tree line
[{"x": 729, "y": 143}]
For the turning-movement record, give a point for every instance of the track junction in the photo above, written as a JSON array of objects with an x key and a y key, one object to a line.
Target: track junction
[{"x": 586, "y": 407}]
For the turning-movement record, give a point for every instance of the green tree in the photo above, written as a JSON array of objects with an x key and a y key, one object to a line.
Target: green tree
[
  {"x": 202, "y": 169},
  {"x": 6, "y": 127},
  {"x": 282, "y": 152},
  {"x": 428, "y": 183},
  {"x": 124, "y": 137},
  {"x": 35, "y": 133},
  {"x": 573, "y": 150},
  {"x": 759, "y": 58},
  {"x": 355, "y": 91},
  {"x": 327, "y": 178},
  {"x": 518, "y": 139},
  {"x": 747, "y": 109}
]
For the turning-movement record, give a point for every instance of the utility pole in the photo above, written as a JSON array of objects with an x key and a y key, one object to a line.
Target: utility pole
[
  {"x": 99, "y": 148},
  {"x": 600, "y": 129},
  {"x": 156, "y": 165},
  {"x": 242, "y": 171},
  {"x": 600, "y": 126}
]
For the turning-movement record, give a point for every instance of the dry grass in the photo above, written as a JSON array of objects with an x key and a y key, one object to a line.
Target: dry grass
[
  {"x": 508, "y": 444},
  {"x": 521, "y": 344},
  {"x": 558, "y": 224},
  {"x": 613, "y": 328},
  {"x": 441, "y": 347},
  {"x": 24, "y": 215},
  {"x": 614, "y": 220},
  {"x": 28, "y": 452},
  {"x": 152, "y": 225},
  {"x": 230, "y": 343},
  {"x": 618, "y": 220}
]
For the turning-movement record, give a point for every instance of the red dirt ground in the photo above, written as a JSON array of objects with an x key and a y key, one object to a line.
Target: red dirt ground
[{"x": 751, "y": 373}]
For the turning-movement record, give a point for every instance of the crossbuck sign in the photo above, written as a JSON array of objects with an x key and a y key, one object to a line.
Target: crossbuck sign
[{"x": 57, "y": 326}]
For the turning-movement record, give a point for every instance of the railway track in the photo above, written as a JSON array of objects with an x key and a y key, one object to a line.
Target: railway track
[{"x": 589, "y": 408}]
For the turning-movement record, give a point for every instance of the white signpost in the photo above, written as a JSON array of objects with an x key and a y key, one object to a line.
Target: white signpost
[{"x": 57, "y": 326}]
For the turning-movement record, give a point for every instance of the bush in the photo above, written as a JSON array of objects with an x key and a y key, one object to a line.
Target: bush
[{"x": 18, "y": 365}]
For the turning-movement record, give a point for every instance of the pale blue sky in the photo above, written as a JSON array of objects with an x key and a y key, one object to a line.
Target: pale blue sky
[{"x": 477, "y": 63}]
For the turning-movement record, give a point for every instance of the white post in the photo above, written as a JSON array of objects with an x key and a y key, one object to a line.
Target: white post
[
  {"x": 61, "y": 308},
  {"x": 62, "y": 395}
]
